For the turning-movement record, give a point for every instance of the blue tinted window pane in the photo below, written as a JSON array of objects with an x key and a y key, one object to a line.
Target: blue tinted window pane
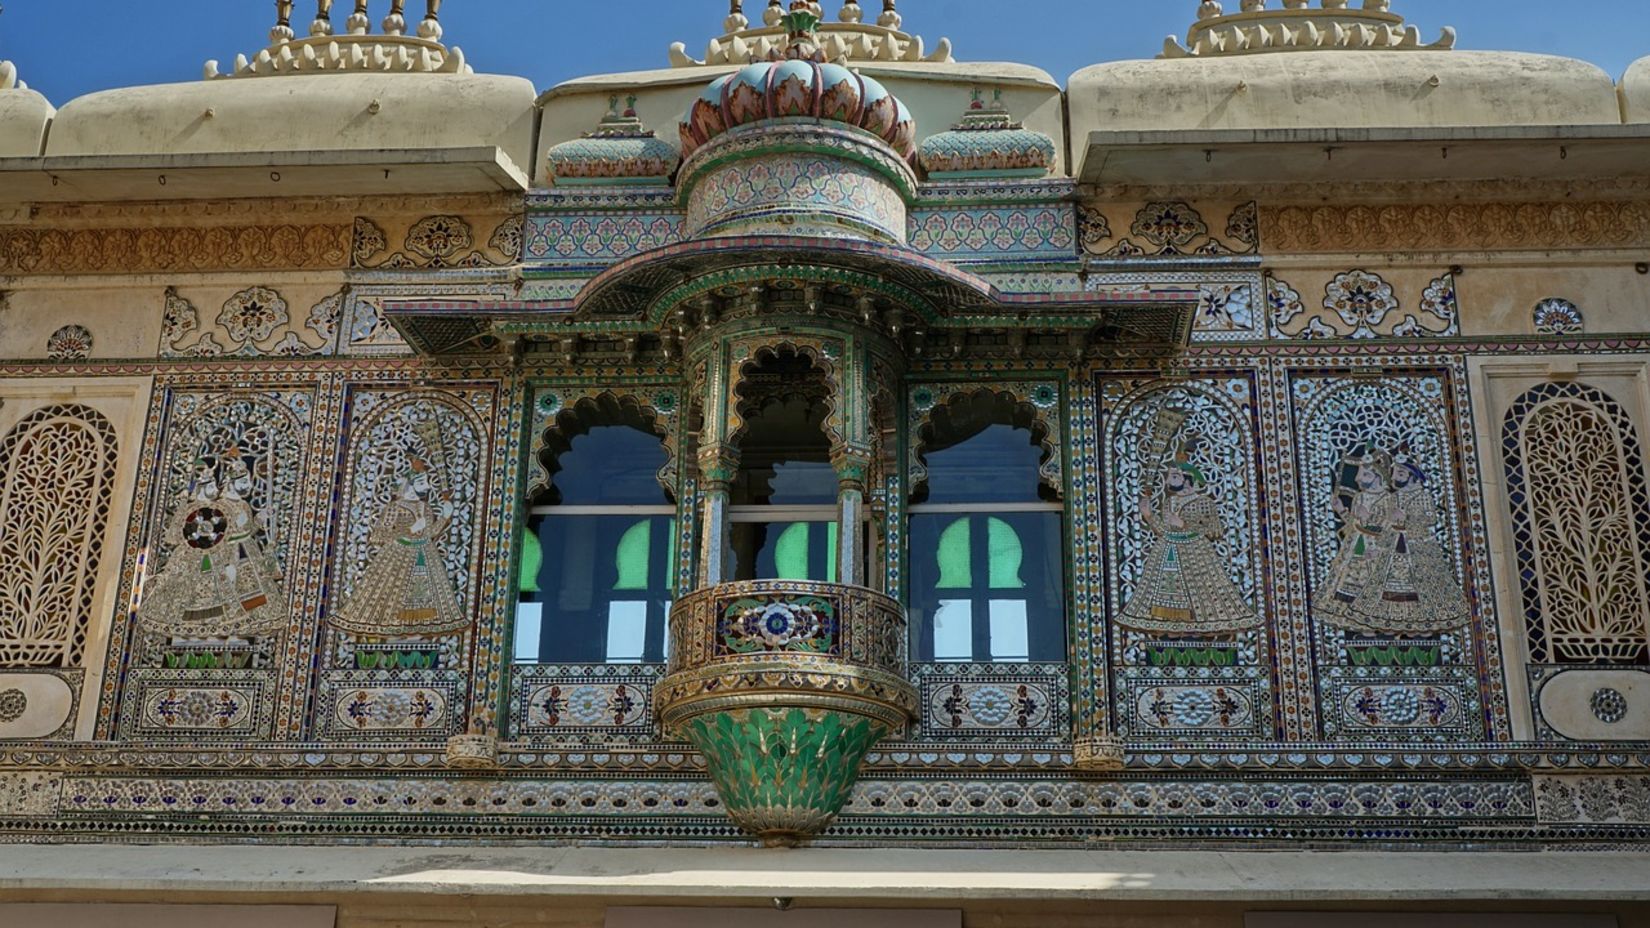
[
  {"x": 611, "y": 465},
  {"x": 999, "y": 464},
  {"x": 600, "y": 597},
  {"x": 1006, "y": 605}
]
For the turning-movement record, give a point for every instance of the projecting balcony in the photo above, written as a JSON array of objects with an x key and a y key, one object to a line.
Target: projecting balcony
[{"x": 784, "y": 685}]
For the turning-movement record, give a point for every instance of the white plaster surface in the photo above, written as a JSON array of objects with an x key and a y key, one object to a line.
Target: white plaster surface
[
  {"x": 301, "y": 113},
  {"x": 1342, "y": 89},
  {"x": 1635, "y": 92},
  {"x": 1566, "y": 704},
  {"x": 24, "y": 115},
  {"x": 902, "y": 875},
  {"x": 49, "y": 702}
]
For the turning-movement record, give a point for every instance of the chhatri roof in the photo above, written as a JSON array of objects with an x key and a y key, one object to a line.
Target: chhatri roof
[
  {"x": 1296, "y": 66},
  {"x": 1298, "y": 26},
  {"x": 349, "y": 90},
  {"x": 797, "y": 82}
]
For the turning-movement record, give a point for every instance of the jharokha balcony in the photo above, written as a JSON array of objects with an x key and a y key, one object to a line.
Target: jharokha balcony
[{"x": 784, "y": 685}]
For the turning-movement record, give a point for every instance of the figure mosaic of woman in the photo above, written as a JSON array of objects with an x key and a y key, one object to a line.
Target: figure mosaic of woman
[
  {"x": 218, "y": 580},
  {"x": 1390, "y": 576},
  {"x": 1185, "y": 586},
  {"x": 405, "y": 589}
]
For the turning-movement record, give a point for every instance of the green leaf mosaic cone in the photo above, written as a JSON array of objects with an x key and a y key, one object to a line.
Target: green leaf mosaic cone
[{"x": 783, "y": 773}]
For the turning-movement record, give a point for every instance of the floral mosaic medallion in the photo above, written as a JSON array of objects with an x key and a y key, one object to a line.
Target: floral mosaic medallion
[
  {"x": 198, "y": 708},
  {"x": 390, "y": 709},
  {"x": 1608, "y": 705},
  {"x": 439, "y": 238},
  {"x": 808, "y": 624},
  {"x": 13, "y": 703},
  {"x": 69, "y": 343},
  {"x": 1554, "y": 316},
  {"x": 1361, "y": 299}
]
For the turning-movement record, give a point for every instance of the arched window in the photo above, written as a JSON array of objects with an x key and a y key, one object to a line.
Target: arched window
[
  {"x": 57, "y": 471},
  {"x": 987, "y": 571},
  {"x": 594, "y": 585},
  {"x": 1581, "y": 525},
  {"x": 782, "y": 510}
]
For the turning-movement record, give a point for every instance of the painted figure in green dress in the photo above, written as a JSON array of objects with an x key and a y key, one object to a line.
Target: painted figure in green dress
[
  {"x": 1185, "y": 586},
  {"x": 405, "y": 589},
  {"x": 218, "y": 581}
]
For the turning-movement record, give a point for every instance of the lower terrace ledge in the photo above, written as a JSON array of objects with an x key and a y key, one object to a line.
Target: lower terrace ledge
[{"x": 902, "y": 876}]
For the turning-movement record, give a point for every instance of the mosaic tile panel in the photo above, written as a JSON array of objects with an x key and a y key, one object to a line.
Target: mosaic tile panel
[
  {"x": 1185, "y": 514},
  {"x": 583, "y": 701},
  {"x": 1392, "y": 592},
  {"x": 991, "y": 702},
  {"x": 1019, "y": 233}
]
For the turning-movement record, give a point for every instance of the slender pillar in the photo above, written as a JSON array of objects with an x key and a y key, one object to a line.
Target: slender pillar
[
  {"x": 852, "y": 468},
  {"x": 717, "y": 467}
]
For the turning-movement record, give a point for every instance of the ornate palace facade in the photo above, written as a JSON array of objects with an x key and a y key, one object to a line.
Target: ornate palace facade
[{"x": 830, "y": 442}]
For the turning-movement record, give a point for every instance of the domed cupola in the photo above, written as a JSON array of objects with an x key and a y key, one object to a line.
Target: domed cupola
[
  {"x": 618, "y": 151},
  {"x": 799, "y": 146},
  {"x": 799, "y": 84},
  {"x": 987, "y": 143}
]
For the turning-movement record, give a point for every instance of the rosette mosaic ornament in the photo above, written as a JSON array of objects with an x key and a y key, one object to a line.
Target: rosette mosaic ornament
[{"x": 799, "y": 84}]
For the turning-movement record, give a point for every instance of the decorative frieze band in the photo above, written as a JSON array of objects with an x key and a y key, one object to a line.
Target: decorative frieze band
[
  {"x": 1455, "y": 226},
  {"x": 139, "y": 251}
]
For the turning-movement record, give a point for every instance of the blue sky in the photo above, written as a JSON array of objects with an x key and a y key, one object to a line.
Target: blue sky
[{"x": 66, "y": 48}]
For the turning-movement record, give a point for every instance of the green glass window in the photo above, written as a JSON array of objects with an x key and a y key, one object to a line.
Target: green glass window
[
  {"x": 987, "y": 554},
  {"x": 595, "y": 580}
]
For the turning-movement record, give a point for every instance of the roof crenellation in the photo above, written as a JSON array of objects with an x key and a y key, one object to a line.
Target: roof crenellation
[
  {"x": 850, "y": 38},
  {"x": 1298, "y": 26},
  {"x": 357, "y": 50}
]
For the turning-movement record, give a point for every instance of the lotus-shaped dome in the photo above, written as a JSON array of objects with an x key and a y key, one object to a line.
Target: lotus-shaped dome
[{"x": 800, "y": 85}]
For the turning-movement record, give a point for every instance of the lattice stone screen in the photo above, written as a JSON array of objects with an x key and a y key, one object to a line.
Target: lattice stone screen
[
  {"x": 57, "y": 470},
  {"x": 1575, "y": 478}
]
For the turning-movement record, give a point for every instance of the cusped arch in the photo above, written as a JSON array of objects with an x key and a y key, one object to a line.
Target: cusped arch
[
  {"x": 740, "y": 400},
  {"x": 945, "y": 415},
  {"x": 55, "y": 494},
  {"x": 594, "y": 410}
]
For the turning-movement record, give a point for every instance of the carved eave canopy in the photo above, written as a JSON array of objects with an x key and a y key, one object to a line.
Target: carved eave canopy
[
  {"x": 1298, "y": 27},
  {"x": 676, "y": 288}
]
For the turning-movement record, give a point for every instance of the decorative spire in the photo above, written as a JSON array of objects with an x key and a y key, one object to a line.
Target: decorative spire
[
  {"x": 1298, "y": 26},
  {"x": 322, "y": 24},
  {"x": 849, "y": 38},
  {"x": 282, "y": 32},
  {"x": 736, "y": 20},
  {"x": 801, "y": 43},
  {"x": 322, "y": 51},
  {"x": 9, "y": 81},
  {"x": 396, "y": 22}
]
